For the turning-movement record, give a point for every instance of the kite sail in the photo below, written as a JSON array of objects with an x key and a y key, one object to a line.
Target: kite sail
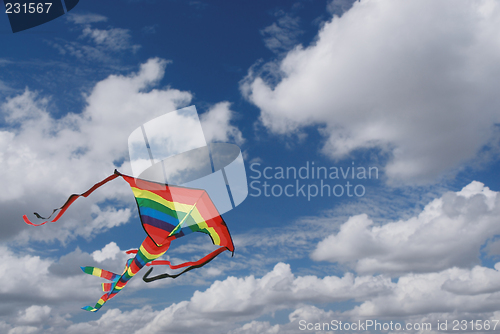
[{"x": 167, "y": 213}]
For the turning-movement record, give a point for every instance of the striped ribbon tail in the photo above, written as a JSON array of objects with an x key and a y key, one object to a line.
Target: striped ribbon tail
[
  {"x": 70, "y": 201},
  {"x": 190, "y": 266},
  {"x": 101, "y": 273},
  {"x": 98, "y": 305}
]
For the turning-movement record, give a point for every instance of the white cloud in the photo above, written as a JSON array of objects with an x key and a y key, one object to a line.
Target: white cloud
[
  {"x": 416, "y": 79},
  {"x": 108, "y": 252},
  {"x": 3, "y": 86},
  {"x": 86, "y": 18},
  {"x": 446, "y": 295},
  {"x": 220, "y": 308},
  {"x": 150, "y": 29},
  {"x": 39, "y": 291},
  {"x": 216, "y": 124},
  {"x": 45, "y": 159},
  {"x": 256, "y": 327},
  {"x": 478, "y": 281},
  {"x": 34, "y": 314},
  {"x": 25, "y": 107},
  {"x": 25, "y": 330},
  {"x": 309, "y": 316},
  {"x": 448, "y": 232},
  {"x": 113, "y": 39},
  {"x": 115, "y": 321},
  {"x": 27, "y": 280},
  {"x": 417, "y": 294},
  {"x": 338, "y": 7},
  {"x": 282, "y": 35},
  {"x": 415, "y": 297},
  {"x": 237, "y": 299},
  {"x": 102, "y": 44}
]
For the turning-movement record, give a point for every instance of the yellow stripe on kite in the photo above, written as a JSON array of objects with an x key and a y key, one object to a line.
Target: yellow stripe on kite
[
  {"x": 189, "y": 210},
  {"x": 176, "y": 206},
  {"x": 97, "y": 272},
  {"x": 212, "y": 232},
  {"x": 150, "y": 256}
]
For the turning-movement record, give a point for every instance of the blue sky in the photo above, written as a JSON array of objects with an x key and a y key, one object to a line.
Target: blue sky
[{"x": 406, "y": 88}]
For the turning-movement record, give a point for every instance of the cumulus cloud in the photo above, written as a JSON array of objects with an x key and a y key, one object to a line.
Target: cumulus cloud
[
  {"x": 416, "y": 80},
  {"x": 448, "y": 232},
  {"x": 37, "y": 297},
  {"x": 232, "y": 305},
  {"x": 216, "y": 124},
  {"x": 256, "y": 327},
  {"x": 115, "y": 321},
  {"x": 34, "y": 314},
  {"x": 26, "y": 280},
  {"x": 226, "y": 302},
  {"x": 413, "y": 296},
  {"x": 416, "y": 294},
  {"x": 39, "y": 291},
  {"x": 56, "y": 157},
  {"x": 44, "y": 159},
  {"x": 479, "y": 280},
  {"x": 309, "y": 316},
  {"x": 108, "y": 252},
  {"x": 239, "y": 299}
]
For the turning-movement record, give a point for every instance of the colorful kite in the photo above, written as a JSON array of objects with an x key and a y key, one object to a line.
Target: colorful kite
[{"x": 167, "y": 213}]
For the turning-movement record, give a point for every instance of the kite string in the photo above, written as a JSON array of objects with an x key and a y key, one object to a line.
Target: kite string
[
  {"x": 185, "y": 264},
  {"x": 191, "y": 265}
]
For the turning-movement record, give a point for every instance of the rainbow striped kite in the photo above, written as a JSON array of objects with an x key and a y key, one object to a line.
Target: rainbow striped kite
[{"x": 167, "y": 213}]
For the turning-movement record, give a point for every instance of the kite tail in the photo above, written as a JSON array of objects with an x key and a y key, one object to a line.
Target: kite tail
[
  {"x": 107, "y": 287},
  {"x": 70, "y": 201},
  {"x": 101, "y": 273},
  {"x": 190, "y": 266},
  {"x": 146, "y": 253}
]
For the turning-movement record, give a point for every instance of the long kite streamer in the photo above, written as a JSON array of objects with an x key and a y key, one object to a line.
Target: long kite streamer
[{"x": 167, "y": 213}]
